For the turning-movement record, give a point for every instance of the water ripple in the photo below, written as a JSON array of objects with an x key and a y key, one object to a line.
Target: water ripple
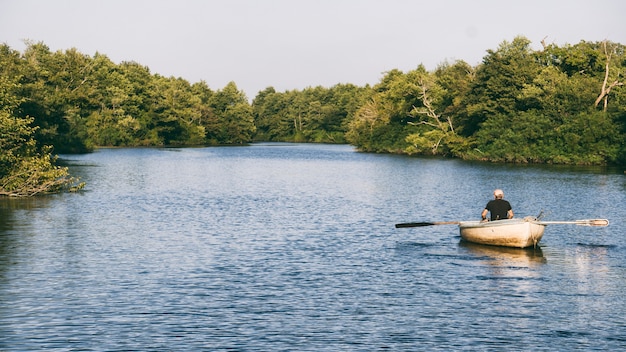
[{"x": 292, "y": 247}]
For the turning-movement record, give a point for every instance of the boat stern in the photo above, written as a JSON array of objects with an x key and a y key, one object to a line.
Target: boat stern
[{"x": 519, "y": 233}]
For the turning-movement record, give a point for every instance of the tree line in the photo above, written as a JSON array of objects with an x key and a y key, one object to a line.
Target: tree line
[{"x": 560, "y": 104}]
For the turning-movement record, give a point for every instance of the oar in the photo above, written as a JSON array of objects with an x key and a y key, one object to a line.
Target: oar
[
  {"x": 587, "y": 222},
  {"x": 420, "y": 224}
]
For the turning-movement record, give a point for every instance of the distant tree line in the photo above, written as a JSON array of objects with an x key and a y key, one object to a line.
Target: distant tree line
[{"x": 562, "y": 105}]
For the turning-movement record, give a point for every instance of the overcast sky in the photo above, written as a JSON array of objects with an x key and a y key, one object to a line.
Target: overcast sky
[{"x": 293, "y": 44}]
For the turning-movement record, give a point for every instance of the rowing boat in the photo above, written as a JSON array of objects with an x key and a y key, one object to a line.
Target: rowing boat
[{"x": 520, "y": 233}]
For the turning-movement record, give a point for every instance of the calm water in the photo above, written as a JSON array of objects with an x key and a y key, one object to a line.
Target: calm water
[{"x": 289, "y": 247}]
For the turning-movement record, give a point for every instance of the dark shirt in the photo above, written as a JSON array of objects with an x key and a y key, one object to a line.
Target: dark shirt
[{"x": 499, "y": 209}]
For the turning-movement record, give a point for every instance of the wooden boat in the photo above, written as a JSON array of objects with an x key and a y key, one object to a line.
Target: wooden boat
[{"x": 520, "y": 233}]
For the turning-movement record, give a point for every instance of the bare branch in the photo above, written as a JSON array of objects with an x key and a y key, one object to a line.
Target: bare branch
[{"x": 604, "y": 94}]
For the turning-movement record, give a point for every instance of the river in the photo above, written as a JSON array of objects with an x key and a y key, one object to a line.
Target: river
[{"x": 292, "y": 247}]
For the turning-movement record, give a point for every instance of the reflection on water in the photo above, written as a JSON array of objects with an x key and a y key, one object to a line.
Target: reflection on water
[
  {"x": 12, "y": 203},
  {"x": 506, "y": 255},
  {"x": 290, "y": 247},
  {"x": 505, "y": 261},
  {"x": 13, "y": 227}
]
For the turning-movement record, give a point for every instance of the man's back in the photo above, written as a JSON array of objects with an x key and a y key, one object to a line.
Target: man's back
[{"x": 499, "y": 209}]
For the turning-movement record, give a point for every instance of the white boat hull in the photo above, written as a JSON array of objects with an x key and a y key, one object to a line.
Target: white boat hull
[{"x": 520, "y": 233}]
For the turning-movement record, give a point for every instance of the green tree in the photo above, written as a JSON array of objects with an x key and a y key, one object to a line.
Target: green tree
[
  {"x": 109, "y": 122},
  {"x": 525, "y": 139},
  {"x": 437, "y": 128},
  {"x": 550, "y": 114},
  {"x": 57, "y": 89},
  {"x": 498, "y": 83},
  {"x": 589, "y": 138},
  {"x": 268, "y": 108},
  {"x": 369, "y": 128},
  {"x": 25, "y": 169},
  {"x": 231, "y": 106},
  {"x": 382, "y": 124}
]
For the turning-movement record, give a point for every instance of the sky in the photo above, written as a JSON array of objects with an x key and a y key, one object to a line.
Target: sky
[{"x": 294, "y": 44}]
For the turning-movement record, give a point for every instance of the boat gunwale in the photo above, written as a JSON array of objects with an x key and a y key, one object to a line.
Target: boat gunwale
[{"x": 498, "y": 223}]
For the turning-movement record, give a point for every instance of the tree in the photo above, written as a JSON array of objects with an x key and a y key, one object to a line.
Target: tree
[
  {"x": 25, "y": 169},
  {"x": 498, "y": 83},
  {"x": 529, "y": 138},
  {"x": 267, "y": 107},
  {"x": 455, "y": 81},
  {"x": 109, "y": 122},
  {"x": 609, "y": 52},
  {"x": 363, "y": 128},
  {"x": 58, "y": 94},
  {"x": 427, "y": 113},
  {"x": 231, "y": 106},
  {"x": 382, "y": 124},
  {"x": 518, "y": 105}
]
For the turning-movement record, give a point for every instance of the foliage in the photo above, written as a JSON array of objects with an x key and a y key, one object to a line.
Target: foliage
[
  {"x": 236, "y": 125},
  {"x": 311, "y": 115},
  {"x": 560, "y": 104},
  {"x": 550, "y": 115},
  {"x": 25, "y": 169},
  {"x": 79, "y": 102}
]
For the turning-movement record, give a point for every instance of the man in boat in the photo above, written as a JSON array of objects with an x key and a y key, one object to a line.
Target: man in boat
[{"x": 498, "y": 207}]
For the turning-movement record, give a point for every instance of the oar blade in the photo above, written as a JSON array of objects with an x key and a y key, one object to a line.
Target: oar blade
[
  {"x": 586, "y": 222},
  {"x": 426, "y": 223},
  {"x": 414, "y": 224},
  {"x": 597, "y": 222}
]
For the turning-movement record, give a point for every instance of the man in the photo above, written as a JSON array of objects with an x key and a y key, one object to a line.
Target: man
[{"x": 498, "y": 207}]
